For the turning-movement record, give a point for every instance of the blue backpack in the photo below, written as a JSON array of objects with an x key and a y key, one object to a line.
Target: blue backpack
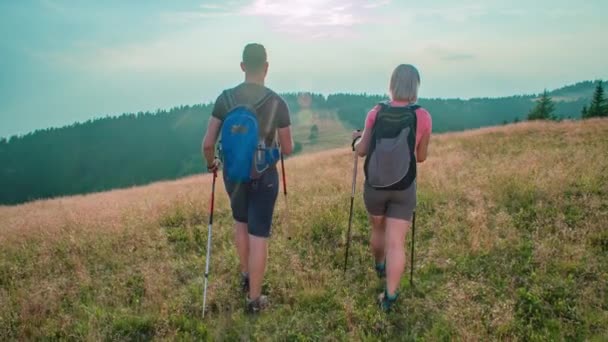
[{"x": 243, "y": 150}]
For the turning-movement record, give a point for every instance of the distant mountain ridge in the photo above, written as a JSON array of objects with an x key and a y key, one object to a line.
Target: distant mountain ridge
[
  {"x": 576, "y": 91},
  {"x": 133, "y": 149},
  {"x": 458, "y": 114}
]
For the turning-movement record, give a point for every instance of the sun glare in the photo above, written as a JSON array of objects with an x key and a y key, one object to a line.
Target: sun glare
[{"x": 311, "y": 16}]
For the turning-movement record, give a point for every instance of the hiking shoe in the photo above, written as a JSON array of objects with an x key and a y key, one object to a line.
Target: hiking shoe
[
  {"x": 257, "y": 305},
  {"x": 381, "y": 270},
  {"x": 385, "y": 301},
  {"x": 245, "y": 282}
]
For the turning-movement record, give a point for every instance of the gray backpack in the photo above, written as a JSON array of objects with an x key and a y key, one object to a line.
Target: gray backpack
[{"x": 391, "y": 159}]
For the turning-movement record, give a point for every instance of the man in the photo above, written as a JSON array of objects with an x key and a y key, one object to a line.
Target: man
[{"x": 252, "y": 202}]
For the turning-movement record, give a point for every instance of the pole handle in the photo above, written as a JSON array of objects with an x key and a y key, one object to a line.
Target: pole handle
[
  {"x": 352, "y": 145},
  {"x": 212, "y": 205}
]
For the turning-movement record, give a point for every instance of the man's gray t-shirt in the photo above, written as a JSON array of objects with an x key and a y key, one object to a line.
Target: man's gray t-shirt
[{"x": 272, "y": 114}]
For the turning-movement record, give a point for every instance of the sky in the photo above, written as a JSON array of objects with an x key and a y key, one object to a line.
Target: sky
[{"x": 68, "y": 61}]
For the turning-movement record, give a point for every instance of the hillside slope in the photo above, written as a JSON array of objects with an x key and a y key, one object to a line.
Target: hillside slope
[
  {"x": 511, "y": 244},
  {"x": 137, "y": 149}
]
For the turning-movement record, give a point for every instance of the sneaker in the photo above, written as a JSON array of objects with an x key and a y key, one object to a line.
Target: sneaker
[
  {"x": 381, "y": 270},
  {"x": 257, "y": 305},
  {"x": 245, "y": 282},
  {"x": 385, "y": 301}
]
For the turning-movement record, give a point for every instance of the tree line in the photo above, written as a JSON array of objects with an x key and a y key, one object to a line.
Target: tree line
[
  {"x": 545, "y": 106},
  {"x": 139, "y": 148}
]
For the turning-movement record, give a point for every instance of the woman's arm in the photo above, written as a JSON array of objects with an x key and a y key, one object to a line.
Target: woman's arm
[
  {"x": 362, "y": 145},
  {"x": 425, "y": 127},
  {"x": 423, "y": 147}
]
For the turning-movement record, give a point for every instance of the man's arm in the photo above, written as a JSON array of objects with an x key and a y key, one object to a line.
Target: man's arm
[
  {"x": 208, "y": 146},
  {"x": 284, "y": 128},
  {"x": 285, "y": 140},
  {"x": 213, "y": 130}
]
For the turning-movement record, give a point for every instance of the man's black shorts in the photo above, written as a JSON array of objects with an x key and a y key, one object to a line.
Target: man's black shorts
[{"x": 253, "y": 202}]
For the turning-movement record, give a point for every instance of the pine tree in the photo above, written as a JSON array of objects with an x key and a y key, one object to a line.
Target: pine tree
[
  {"x": 314, "y": 133},
  {"x": 599, "y": 104},
  {"x": 544, "y": 108},
  {"x": 584, "y": 112}
]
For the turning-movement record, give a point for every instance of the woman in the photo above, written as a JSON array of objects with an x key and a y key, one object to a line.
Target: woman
[{"x": 391, "y": 211}]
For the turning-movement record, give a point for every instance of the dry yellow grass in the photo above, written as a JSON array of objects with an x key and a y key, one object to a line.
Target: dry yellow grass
[{"x": 512, "y": 244}]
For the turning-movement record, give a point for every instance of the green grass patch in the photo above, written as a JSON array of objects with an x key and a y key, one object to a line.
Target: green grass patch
[{"x": 509, "y": 246}]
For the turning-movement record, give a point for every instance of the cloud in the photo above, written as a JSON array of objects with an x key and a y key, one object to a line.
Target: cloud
[
  {"x": 176, "y": 53},
  {"x": 312, "y": 18},
  {"x": 376, "y": 4},
  {"x": 455, "y": 14},
  {"x": 53, "y": 6},
  {"x": 187, "y": 17},
  {"x": 457, "y": 57},
  {"x": 446, "y": 54},
  {"x": 304, "y": 13},
  {"x": 210, "y": 6},
  {"x": 204, "y": 11}
]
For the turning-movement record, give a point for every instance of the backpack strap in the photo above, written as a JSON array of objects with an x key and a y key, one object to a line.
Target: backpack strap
[
  {"x": 386, "y": 105},
  {"x": 263, "y": 100},
  {"x": 386, "y": 108},
  {"x": 229, "y": 100}
]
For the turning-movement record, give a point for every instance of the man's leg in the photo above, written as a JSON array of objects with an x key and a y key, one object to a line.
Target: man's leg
[
  {"x": 239, "y": 198},
  {"x": 258, "y": 253},
  {"x": 261, "y": 207},
  {"x": 241, "y": 239}
]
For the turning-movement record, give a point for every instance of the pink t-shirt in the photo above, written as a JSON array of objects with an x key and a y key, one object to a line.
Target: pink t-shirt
[{"x": 424, "y": 122}]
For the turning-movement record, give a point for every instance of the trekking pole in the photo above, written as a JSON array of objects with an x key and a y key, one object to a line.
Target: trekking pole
[
  {"x": 412, "y": 256},
  {"x": 285, "y": 196},
  {"x": 352, "y": 200},
  {"x": 209, "y": 242}
]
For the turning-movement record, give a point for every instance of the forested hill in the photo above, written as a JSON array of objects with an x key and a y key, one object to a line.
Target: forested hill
[
  {"x": 457, "y": 114},
  {"x": 134, "y": 149}
]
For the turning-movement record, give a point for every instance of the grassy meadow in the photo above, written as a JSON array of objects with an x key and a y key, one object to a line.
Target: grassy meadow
[
  {"x": 332, "y": 132},
  {"x": 511, "y": 244}
]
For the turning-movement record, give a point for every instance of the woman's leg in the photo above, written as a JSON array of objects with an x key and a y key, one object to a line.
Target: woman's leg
[
  {"x": 395, "y": 252},
  {"x": 377, "y": 238}
]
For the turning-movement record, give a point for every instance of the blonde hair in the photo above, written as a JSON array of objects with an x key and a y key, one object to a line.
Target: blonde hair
[{"x": 404, "y": 83}]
